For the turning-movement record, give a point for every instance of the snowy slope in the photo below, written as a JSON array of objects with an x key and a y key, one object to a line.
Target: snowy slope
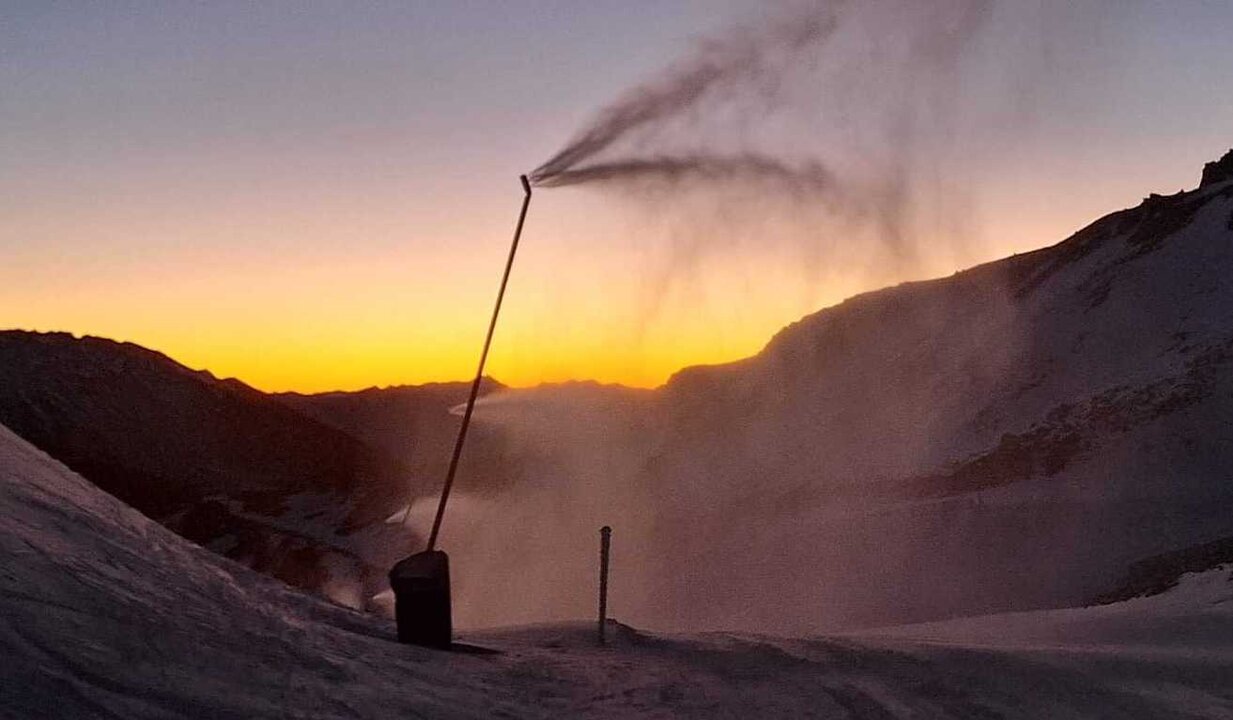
[
  {"x": 1193, "y": 618},
  {"x": 108, "y": 614}
]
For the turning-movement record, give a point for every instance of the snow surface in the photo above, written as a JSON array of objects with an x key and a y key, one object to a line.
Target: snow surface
[{"x": 108, "y": 614}]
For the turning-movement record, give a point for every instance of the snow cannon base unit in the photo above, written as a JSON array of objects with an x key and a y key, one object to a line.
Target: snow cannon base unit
[
  {"x": 421, "y": 585},
  {"x": 421, "y": 582}
]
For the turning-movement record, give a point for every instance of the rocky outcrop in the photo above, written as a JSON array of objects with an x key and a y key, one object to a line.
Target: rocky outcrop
[{"x": 1218, "y": 171}]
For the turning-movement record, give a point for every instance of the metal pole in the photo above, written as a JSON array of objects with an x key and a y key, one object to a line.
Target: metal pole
[
  {"x": 479, "y": 373},
  {"x": 605, "y": 541}
]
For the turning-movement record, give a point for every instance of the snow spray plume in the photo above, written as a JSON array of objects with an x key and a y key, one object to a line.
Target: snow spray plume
[
  {"x": 743, "y": 68},
  {"x": 834, "y": 122},
  {"x": 802, "y": 178}
]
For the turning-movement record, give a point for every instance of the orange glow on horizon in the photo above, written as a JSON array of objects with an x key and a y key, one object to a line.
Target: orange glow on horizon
[
  {"x": 366, "y": 342},
  {"x": 318, "y": 293}
]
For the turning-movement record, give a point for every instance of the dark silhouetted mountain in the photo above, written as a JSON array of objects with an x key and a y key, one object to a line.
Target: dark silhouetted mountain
[
  {"x": 414, "y": 424},
  {"x": 217, "y": 461}
]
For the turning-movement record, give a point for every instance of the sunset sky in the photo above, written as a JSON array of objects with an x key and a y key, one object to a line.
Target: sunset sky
[{"x": 317, "y": 196}]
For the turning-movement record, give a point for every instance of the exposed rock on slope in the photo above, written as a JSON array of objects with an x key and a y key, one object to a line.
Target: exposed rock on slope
[{"x": 1160, "y": 573}]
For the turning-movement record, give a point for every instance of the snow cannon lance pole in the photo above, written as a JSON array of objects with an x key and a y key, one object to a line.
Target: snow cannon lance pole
[
  {"x": 479, "y": 373},
  {"x": 421, "y": 582}
]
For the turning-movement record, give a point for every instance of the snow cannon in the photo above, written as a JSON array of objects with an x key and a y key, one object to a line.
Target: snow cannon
[{"x": 421, "y": 582}]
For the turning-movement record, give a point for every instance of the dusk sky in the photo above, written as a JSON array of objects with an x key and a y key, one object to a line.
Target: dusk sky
[{"x": 318, "y": 196}]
